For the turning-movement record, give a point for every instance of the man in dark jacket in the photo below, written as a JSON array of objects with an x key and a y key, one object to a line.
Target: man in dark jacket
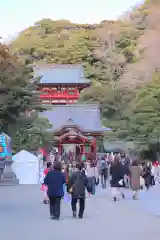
[
  {"x": 77, "y": 184},
  {"x": 55, "y": 180}
]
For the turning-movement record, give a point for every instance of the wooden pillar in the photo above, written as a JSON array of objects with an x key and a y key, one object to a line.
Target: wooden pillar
[
  {"x": 95, "y": 146},
  {"x": 50, "y": 97},
  {"x": 83, "y": 157},
  {"x": 83, "y": 147},
  {"x": 59, "y": 147}
]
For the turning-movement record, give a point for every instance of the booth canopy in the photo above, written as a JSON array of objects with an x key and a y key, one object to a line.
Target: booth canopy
[
  {"x": 26, "y": 167},
  {"x": 24, "y": 156}
]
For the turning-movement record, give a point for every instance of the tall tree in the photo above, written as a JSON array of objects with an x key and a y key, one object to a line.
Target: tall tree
[
  {"x": 18, "y": 90},
  {"x": 32, "y": 135}
]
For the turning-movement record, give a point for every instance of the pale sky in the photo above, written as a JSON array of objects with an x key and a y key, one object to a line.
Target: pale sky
[{"x": 17, "y": 15}]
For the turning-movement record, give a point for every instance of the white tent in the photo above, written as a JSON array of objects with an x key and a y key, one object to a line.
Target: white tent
[{"x": 26, "y": 167}]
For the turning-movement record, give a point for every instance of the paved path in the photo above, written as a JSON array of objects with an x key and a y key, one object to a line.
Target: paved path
[{"x": 24, "y": 217}]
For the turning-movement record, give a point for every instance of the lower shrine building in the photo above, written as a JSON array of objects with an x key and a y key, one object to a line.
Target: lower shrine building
[{"x": 76, "y": 127}]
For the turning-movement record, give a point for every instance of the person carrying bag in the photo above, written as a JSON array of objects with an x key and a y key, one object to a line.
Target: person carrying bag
[{"x": 78, "y": 183}]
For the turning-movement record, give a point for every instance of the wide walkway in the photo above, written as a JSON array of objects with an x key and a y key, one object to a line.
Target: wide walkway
[{"x": 24, "y": 217}]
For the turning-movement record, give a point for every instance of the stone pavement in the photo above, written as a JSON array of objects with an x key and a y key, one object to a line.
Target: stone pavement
[{"x": 24, "y": 217}]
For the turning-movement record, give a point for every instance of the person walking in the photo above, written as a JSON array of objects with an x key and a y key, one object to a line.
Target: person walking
[
  {"x": 55, "y": 181},
  {"x": 135, "y": 175},
  {"x": 117, "y": 178},
  {"x": 77, "y": 184},
  {"x": 147, "y": 175},
  {"x": 2, "y": 167},
  {"x": 92, "y": 175},
  {"x": 103, "y": 168},
  {"x": 44, "y": 187},
  {"x": 126, "y": 166},
  {"x": 153, "y": 174}
]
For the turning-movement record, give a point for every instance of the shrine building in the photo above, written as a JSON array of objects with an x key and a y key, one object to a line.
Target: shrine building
[
  {"x": 76, "y": 127},
  {"x": 60, "y": 84}
]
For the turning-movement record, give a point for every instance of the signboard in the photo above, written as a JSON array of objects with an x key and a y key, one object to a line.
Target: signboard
[{"x": 5, "y": 146}]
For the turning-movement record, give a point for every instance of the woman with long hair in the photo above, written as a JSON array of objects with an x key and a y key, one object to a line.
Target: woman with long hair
[
  {"x": 117, "y": 178},
  {"x": 146, "y": 173}
]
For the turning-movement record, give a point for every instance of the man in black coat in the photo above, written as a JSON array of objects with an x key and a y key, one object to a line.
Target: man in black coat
[
  {"x": 55, "y": 180},
  {"x": 77, "y": 184}
]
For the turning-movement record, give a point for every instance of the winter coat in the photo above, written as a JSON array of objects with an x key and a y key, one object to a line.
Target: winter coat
[
  {"x": 117, "y": 173},
  {"x": 147, "y": 175},
  {"x": 55, "y": 181},
  {"x": 135, "y": 173},
  {"x": 78, "y": 183},
  {"x": 126, "y": 167}
]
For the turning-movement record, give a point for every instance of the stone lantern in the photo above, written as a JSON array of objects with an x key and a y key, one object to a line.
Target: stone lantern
[{"x": 7, "y": 177}]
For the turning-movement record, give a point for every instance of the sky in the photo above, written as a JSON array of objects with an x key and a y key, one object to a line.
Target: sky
[{"x": 17, "y": 15}]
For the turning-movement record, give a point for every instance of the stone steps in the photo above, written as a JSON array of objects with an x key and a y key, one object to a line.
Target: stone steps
[{"x": 9, "y": 182}]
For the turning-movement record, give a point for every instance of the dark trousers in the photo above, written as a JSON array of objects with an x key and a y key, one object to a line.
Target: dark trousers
[
  {"x": 147, "y": 181},
  {"x": 1, "y": 172},
  {"x": 92, "y": 184},
  {"x": 103, "y": 180},
  {"x": 54, "y": 205},
  {"x": 152, "y": 181},
  {"x": 81, "y": 205}
]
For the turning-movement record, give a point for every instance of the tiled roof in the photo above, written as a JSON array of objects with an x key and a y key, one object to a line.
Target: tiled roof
[
  {"x": 55, "y": 73},
  {"x": 85, "y": 116}
]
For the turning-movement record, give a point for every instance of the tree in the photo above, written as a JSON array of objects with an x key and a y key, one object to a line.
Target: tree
[
  {"x": 107, "y": 96},
  {"x": 20, "y": 104},
  {"x": 18, "y": 90},
  {"x": 144, "y": 122},
  {"x": 32, "y": 135}
]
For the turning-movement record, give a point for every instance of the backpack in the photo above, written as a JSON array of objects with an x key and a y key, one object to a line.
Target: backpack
[{"x": 103, "y": 165}]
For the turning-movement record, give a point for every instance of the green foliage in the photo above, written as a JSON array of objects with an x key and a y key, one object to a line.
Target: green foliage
[
  {"x": 30, "y": 135},
  {"x": 17, "y": 94},
  {"x": 144, "y": 122},
  {"x": 108, "y": 51},
  {"x": 55, "y": 41},
  {"x": 18, "y": 97}
]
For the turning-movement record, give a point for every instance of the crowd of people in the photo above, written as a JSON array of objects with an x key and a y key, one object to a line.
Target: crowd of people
[{"x": 77, "y": 178}]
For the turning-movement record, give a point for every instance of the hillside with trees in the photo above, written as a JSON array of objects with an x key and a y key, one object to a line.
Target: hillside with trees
[{"x": 121, "y": 58}]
